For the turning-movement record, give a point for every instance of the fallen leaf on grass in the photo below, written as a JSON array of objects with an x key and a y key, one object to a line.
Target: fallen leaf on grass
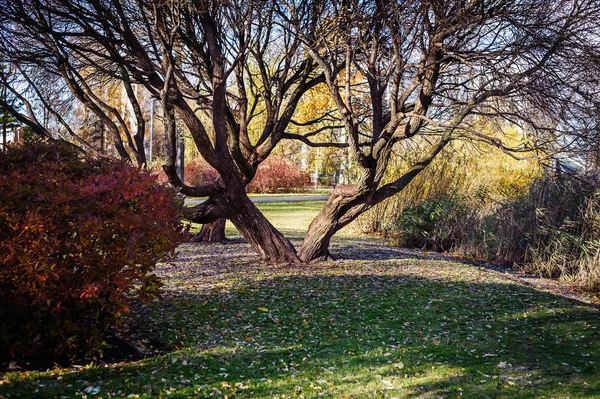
[{"x": 92, "y": 390}]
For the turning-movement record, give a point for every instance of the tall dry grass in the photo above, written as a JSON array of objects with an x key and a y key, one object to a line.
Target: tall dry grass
[
  {"x": 483, "y": 204},
  {"x": 462, "y": 169},
  {"x": 566, "y": 241},
  {"x": 552, "y": 231}
]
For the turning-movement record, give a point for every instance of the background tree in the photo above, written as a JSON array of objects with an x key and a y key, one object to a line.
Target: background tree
[
  {"x": 52, "y": 86},
  {"x": 7, "y": 120}
]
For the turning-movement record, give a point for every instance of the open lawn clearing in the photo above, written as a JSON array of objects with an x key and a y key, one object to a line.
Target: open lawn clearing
[
  {"x": 291, "y": 218},
  {"x": 381, "y": 323}
]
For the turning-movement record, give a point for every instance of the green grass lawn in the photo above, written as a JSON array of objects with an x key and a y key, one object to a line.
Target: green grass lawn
[
  {"x": 378, "y": 324},
  {"x": 291, "y": 218}
]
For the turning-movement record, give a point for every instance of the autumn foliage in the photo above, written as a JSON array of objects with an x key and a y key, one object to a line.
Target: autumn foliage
[
  {"x": 277, "y": 173},
  {"x": 78, "y": 239},
  {"x": 198, "y": 172}
]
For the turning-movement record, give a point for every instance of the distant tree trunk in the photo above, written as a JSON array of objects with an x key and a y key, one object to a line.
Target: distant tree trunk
[
  {"x": 235, "y": 206},
  {"x": 4, "y": 117},
  {"x": 211, "y": 232}
]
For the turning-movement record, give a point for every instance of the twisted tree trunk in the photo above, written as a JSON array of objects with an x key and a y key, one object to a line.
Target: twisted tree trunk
[
  {"x": 348, "y": 202},
  {"x": 339, "y": 210},
  {"x": 271, "y": 245}
]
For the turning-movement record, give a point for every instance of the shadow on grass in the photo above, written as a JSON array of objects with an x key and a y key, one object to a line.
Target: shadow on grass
[
  {"x": 360, "y": 250},
  {"x": 354, "y": 336}
]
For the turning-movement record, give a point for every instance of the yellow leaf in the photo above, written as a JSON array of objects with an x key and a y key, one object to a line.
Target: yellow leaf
[{"x": 263, "y": 309}]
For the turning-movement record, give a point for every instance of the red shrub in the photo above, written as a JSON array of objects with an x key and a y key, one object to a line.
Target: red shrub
[
  {"x": 273, "y": 175},
  {"x": 78, "y": 238},
  {"x": 198, "y": 171},
  {"x": 159, "y": 174},
  {"x": 276, "y": 174}
]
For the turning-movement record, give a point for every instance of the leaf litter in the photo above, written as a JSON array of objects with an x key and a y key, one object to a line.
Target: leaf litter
[{"x": 382, "y": 322}]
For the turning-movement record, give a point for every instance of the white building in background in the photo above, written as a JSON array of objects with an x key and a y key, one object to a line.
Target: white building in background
[{"x": 12, "y": 135}]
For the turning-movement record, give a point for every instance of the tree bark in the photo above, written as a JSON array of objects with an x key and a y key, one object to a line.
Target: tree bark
[
  {"x": 211, "y": 232},
  {"x": 315, "y": 246},
  {"x": 347, "y": 203},
  {"x": 339, "y": 210},
  {"x": 271, "y": 245}
]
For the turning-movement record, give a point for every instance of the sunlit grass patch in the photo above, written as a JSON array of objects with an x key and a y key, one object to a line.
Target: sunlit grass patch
[{"x": 291, "y": 218}]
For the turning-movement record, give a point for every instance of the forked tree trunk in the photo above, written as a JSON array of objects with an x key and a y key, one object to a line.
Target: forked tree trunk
[
  {"x": 347, "y": 203},
  {"x": 211, "y": 232},
  {"x": 261, "y": 234},
  {"x": 339, "y": 210}
]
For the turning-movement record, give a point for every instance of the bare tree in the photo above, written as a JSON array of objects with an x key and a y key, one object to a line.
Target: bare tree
[
  {"x": 235, "y": 71},
  {"x": 228, "y": 70},
  {"x": 45, "y": 76},
  {"x": 429, "y": 69}
]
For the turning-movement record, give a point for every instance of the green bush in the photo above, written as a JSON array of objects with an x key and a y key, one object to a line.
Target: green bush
[
  {"x": 79, "y": 238},
  {"x": 430, "y": 224}
]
